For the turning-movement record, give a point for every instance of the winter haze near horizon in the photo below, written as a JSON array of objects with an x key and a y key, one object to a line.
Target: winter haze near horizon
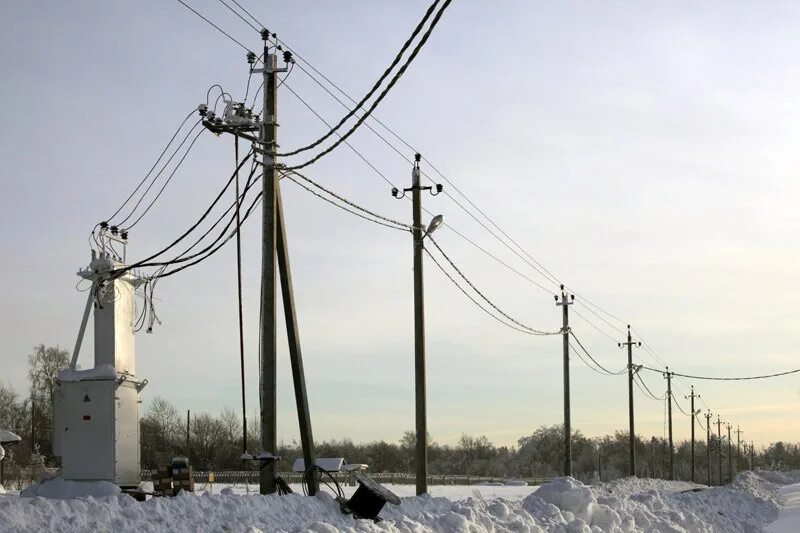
[{"x": 644, "y": 153}]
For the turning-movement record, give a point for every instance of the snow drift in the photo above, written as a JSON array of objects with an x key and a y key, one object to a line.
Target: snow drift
[{"x": 562, "y": 506}]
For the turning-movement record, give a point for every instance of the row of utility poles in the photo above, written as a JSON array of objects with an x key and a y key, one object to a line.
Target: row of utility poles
[{"x": 564, "y": 302}]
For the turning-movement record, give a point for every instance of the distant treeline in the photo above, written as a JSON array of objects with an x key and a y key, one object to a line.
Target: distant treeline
[{"x": 215, "y": 442}]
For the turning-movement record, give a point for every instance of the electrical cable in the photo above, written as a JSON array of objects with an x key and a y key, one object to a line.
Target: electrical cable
[
  {"x": 383, "y": 94},
  {"x": 194, "y": 226},
  {"x": 257, "y": 30},
  {"x": 223, "y": 32},
  {"x": 604, "y": 369},
  {"x": 649, "y": 392},
  {"x": 144, "y": 179},
  {"x": 483, "y": 296},
  {"x": 476, "y": 302},
  {"x": 377, "y": 84},
  {"x": 290, "y": 178},
  {"x": 715, "y": 378},
  {"x": 166, "y": 182}
]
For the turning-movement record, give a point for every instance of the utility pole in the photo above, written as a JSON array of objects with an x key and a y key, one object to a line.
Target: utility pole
[
  {"x": 240, "y": 122},
  {"x": 631, "y": 432},
  {"x": 738, "y": 448},
  {"x": 419, "y": 233},
  {"x": 668, "y": 376},
  {"x": 730, "y": 457},
  {"x": 752, "y": 455},
  {"x": 188, "y": 418},
  {"x": 239, "y": 294},
  {"x": 565, "y": 331},
  {"x": 719, "y": 451},
  {"x": 708, "y": 416},
  {"x": 692, "y": 396}
]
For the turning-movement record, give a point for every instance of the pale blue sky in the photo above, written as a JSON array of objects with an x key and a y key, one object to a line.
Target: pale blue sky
[{"x": 643, "y": 151}]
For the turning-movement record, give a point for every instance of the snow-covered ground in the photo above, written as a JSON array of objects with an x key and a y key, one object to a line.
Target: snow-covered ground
[{"x": 754, "y": 502}]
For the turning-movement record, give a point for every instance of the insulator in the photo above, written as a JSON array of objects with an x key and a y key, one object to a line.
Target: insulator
[
  {"x": 287, "y": 56},
  {"x": 251, "y": 57},
  {"x": 395, "y": 192},
  {"x": 438, "y": 188}
]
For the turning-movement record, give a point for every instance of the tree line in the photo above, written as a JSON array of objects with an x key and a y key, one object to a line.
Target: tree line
[{"x": 214, "y": 442}]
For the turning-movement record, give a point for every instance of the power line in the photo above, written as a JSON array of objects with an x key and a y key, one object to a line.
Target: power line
[
  {"x": 715, "y": 378},
  {"x": 604, "y": 369},
  {"x": 385, "y": 91},
  {"x": 161, "y": 155},
  {"x": 351, "y": 211},
  {"x": 484, "y": 297},
  {"x": 476, "y": 302},
  {"x": 223, "y": 32},
  {"x": 240, "y": 16},
  {"x": 649, "y": 392},
  {"x": 158, "y": 195},
  {"x": 377, "y": 84}
]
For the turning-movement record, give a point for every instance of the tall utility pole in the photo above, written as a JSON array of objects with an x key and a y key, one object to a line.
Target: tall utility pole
[
  {"x": 691, "y": 397},
  {"x": 631, "y": 432},
  {"x": 419, "y": 233},
  {"x": 268, "y": 136},
  {"x": 240, "y": 122},
  {"x": 719, "y": 450},
  {"x": 668, "y": 377},
  {"x": 708, "y": 416},
  {"x": 730, "y": 457},
  {"x": 752, "y": 455},
  {"x": 738, "y": 448},
  {"x": 565, "y": 303}
]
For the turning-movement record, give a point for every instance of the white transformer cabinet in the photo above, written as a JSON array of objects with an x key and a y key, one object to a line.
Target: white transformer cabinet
[{"x": 96, "y": 411}]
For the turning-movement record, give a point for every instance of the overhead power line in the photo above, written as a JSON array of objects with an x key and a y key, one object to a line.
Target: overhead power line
[
  {"x": 717, "y": 378},
  {"x": 485, "y": 298},
  {"x": 223, "y": 32},
  {"x": 389, "y": 86},
  {"x": 377, "y": 84},
  {"x": 601, "y": 367}
]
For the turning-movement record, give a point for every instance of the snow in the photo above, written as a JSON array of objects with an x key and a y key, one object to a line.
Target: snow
[
  {"x": 7, "y": 436},
  {"x": 98, "y": 372},
  {"x": 565, "y": 505},
  {"x": 61, "y": 489}
]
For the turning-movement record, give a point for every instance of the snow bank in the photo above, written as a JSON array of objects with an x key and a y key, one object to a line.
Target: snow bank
[
  {"x": 61, "y": 489},
  {"x": 562, "y": 506}
]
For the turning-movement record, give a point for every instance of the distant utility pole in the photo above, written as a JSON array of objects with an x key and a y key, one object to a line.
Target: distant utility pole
[
  {"x": 691, "y": 397},
  {"x": 419, "y": 233},
  {"x": 752, "y": 455},
  {"x": 188, "y": 420},
  {"x": 719, "y": 450},
  {"x": 565, "y": 303},
  {"x": 668, "y": 377},
  {"x": 631, "y": 432},
  {"x": 730, "y": 457},
  {"x": 738, "y": 448},
  {"x": 708, "y": 416}
]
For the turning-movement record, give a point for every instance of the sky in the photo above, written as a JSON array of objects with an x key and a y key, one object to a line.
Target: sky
[{"x": 643, "y": 152}]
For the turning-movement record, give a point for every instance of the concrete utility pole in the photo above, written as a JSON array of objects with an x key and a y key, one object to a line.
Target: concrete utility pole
[
  {"x": 708, "y": 416},
  {"x": 240, "y": 122},
  {"x": 739, "y": 448},
  {"x": 730, "y": 457},
  {"x": 268, "y": 140},
  {"x": 668, "y": 377},
  {"x": 691, "y": 397},
  {"x": 752, "y": 455},
  {"x": 719, "y": 451},
  {"x": 419, "y": 233},
  {"x": 565, "y": 331},
  {"x": 631, "y": 432}
]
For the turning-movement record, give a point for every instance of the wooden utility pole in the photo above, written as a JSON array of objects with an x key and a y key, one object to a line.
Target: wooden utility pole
[
  {"x": 730, "y": 457},
  {"x": 565, "y": 331},
  {"x": 631, "y": 432},
  {"x": 738, "y": 448},
  {"x": 188, "y": 420},
  {"x": 719, "y": 451},
  {"x": 708, "y": 416},
  {"x": 668, "y": 376},
  {"x": 691, "y": 397}
]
